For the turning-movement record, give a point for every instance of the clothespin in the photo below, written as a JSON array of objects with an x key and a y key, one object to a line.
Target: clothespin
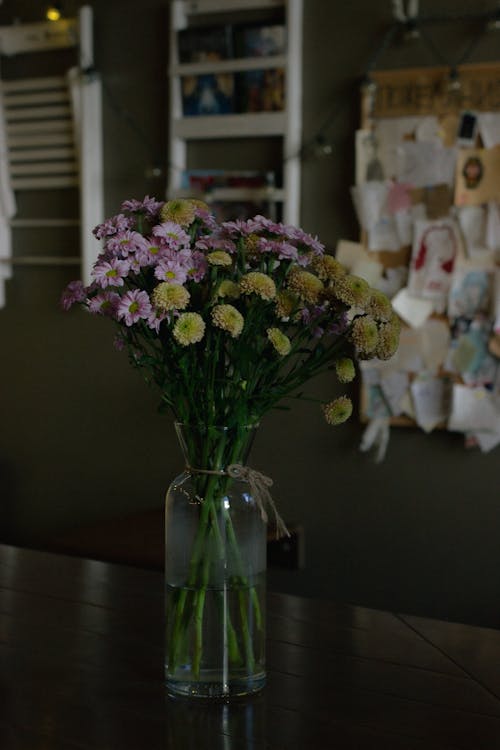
[{"x": 407, "y": 17}]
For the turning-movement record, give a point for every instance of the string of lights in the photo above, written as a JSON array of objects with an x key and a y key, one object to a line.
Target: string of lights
[{"x": 405, "y": 26}]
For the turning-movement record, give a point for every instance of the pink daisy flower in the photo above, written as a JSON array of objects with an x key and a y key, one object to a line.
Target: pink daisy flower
[
  {"x": 153, "y": 250},
  {"x": 74, "y": 292},
  {"x": 111, "y": 273},
  {"x": 105, "y": 303},
  {"x": 155, "y": 319},
  {"x": 133, "y": 306},
  {"x": 171, "y": 271},
  {"x": 111, "y": 226},
  {"x": 148, "y": 206},
  {"x": 199, "y": 266},
  {"x": 175, "y": 237},
  {"x": 123, "y": 243}
]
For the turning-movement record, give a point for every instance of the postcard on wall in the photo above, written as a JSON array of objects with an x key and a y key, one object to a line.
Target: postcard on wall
[
  {"x": 470, "y": 292},
  {"x": 477, "y": 178},
  {"x": 435, "y": 248}
]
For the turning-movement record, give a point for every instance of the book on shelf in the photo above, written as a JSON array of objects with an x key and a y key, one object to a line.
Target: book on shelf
[
  {"x": 208, "y": 180},
  {"x": 201, "y": 44},
  {"x": 208, "y": 94},
  {"x": 261, "y": 90},
  {"x": 259, "y": 41}
]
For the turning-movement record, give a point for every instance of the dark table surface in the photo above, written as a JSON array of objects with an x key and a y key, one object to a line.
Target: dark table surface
[{"x": 81, "y": 653}]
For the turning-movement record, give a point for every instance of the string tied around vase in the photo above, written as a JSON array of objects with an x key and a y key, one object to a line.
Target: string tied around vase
[{"x": 259, "y": 489}]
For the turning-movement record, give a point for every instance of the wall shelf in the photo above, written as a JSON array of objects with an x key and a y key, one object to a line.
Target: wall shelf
[{"x": 285, "y": 124}]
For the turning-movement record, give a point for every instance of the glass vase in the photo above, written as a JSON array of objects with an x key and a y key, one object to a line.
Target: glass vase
[{"x": 215, "y": 567}]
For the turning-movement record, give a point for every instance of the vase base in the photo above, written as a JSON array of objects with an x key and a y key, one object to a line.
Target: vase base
[{"x": 215, "y": 688}]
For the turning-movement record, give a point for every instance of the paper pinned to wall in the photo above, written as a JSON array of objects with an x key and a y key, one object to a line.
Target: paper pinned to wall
[
  {"x": 473, "y": 410},
  {"x": 431, "y": 401},
  {"x": 394, "y": 384},
  {"x": 408, "y": 357},
  {"x": 435, "y": 343},
  {"x": 348, "y": 253},
  {"x": 354, "y": 257},
  {"x": 487, "y": 440},
  {"x": 425, "y": 163},
  {"x": 489, "y": 128},
  {"x": 492, "y": 234},
  {"x": 472, "y": 221},
  {"x": 412, "y": 310}
]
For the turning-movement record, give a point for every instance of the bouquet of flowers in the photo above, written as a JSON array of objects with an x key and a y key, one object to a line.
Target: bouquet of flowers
[{"x": 228, "y": 320}]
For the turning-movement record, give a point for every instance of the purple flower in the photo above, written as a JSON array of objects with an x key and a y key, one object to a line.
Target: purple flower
[
  {"x": 112, "y": 273},
  {"x": 119, "y": 341},
  {"x": 284, "y": 250},
  {"x": 123, "y": 243},
  {"x": 74, "y": 292},
  {"x": 308, "y": 241},
  {"x": 111, "y": 226},
  {"x": 105, "y": 303},
  {"x": 216, "y": 242},
  {"x": 261, "y": 222},
  {"x": 199, "y": 266},
  {"x": 171, "y": 271},
  {"x": 148, "y": 206},
  {"x": 155, "y": 318},
  {"x": 153, "y": 250},
  {"x": 240, "y": 228},
  {"x": 339, "y": 326},
  {"x": 133, "y": 306},
  {"x": 174, "y": 236}
]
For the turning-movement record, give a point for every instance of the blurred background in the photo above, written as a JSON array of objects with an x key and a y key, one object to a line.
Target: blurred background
[{"x": 81, "y": 443}]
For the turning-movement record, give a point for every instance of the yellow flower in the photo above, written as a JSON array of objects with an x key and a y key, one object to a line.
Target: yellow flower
[
  {"x": 364, "y": 334},
  {"x": 199, "y": 204},
  {"x": 379, "y": 305},
  {"x": 189, "y": 328},
  {"x": 228, "y": 288},
  {"x": 286, "y": 301},
  {"x": 252, "y": 244},
  {"x": 306, "y": 285},
  {"x": 328, "y": 268},
  {"x": 219, "y": 258},
  {"x": 170, "y": 297},
  {"x": 345, "y": 370},
  {"x": 258, "y": 283},
  {"x": 388, "y": 340},
  {"x": 280, "y": 342},
  {"x": 353, "y": 290},
  {"x": 181, "y": 211},
  {"x": 338, "y": 410},
  {"x": 228, "y": 318}
]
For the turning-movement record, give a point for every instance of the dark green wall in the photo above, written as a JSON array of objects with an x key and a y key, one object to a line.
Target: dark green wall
[{"x": 80, "y": 439}]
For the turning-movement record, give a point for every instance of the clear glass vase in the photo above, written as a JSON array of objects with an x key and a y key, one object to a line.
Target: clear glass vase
[{"x": 215, "y": 567}]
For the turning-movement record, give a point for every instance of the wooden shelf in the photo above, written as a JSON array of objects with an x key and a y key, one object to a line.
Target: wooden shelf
[
  {"x": 230, "y": 126},
  {"x": 285, "y": 125},
  {"x": 234, "y": 65}
]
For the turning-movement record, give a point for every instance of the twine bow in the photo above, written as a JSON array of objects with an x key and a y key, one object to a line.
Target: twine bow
[{"x": 259, "y": 489}]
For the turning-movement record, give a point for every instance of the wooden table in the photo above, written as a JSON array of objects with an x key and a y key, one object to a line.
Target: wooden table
[{"x": 81, "y": 650}]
